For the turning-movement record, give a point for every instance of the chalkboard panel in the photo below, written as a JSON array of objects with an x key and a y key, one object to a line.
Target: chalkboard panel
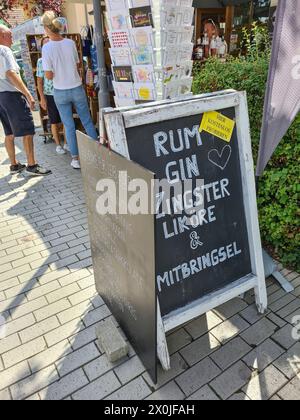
[
  {"x": 193, "y": 261},
  {"x": 123, "y": 251}
]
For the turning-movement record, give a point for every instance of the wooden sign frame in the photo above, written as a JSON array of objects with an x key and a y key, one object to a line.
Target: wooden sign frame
[{"x": 117, "y": 121}]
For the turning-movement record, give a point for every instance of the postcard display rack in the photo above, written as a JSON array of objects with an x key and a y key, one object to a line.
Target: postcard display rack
[{"x": 151, "y": 49}]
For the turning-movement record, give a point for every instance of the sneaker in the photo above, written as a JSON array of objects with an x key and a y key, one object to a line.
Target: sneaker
[
  {"x": 16, "y": 169},
  {"x": 75, "y": 164},
  {"x": 60, "y": 150},
  {"x": 66, "y": 147},
  {"x": 37, "y": 170}
]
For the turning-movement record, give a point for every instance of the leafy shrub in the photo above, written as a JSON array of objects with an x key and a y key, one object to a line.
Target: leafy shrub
[{"x": 279, "y": 188}]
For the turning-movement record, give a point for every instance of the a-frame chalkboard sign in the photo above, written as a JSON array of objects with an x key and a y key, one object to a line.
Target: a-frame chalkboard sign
[{"x": 207, "y": 243}]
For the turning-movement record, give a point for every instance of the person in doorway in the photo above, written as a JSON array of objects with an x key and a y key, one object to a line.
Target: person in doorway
[
  {"x": 16, "y": 104},
  {"x": 45, "y": 88},
  {"x": 61, "y": 64}
]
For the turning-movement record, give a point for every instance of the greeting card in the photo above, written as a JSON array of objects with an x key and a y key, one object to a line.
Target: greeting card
[
  {"x": 120, "y": 56},
  {"x": 139, "y": 3},
  {"x": 142, "y": 37},
  {"x": 141, "y": 16},
  {"x": 170, "y": 57},
  {"x": 115, "y": 4},
  {"x": 124, "y": 90},
  {"x": 122, "y": 73},
  {"x": 119, "y": 39},
  {"x": 142, "y": 55},
  {"x": 118, "y": 20},
  {"x": 185, "y": 53},
  {"x": 143, "y": 74},
  {"x": 144, "y": 91}
]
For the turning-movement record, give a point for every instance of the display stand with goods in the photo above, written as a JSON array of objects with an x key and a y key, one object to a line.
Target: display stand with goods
[{"x": 151, "y": 46}]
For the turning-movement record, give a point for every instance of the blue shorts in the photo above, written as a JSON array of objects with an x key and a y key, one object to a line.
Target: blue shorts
[{"x": 15, "y": 115}]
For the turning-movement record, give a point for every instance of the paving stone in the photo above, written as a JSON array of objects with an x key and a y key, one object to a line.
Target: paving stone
[
  {"x": 263, "y": 355},
  {"x": 169, "y": 392},
  {"x": 38, "y": 329},
  {"x": 291, "y": 391},
  {"x": 276, "y": 320},
  {"x": 259, "y": 332},
  {"x": 230, "y": 353},
  {"x": 240, "y": 396},
  {"x": 111, "y": 340},
  {"x": 228, "y": 309},
  {"x": 23, "y": 352},
  {"x": 99, "y": 389},
  {"x": 290, "y": 309},
  {"x": 63, "y": 332},
  {"x": 265, "y": 385},
  {"x": 282, "y": 302},
  {"x": 34, "y": 383},
  {"x": 14, "y": 374},
  {"x": 178, "y": 365},
  {"x": 8, "y": 343},
  {"x": 5, "y": 395},
  {"x": 289, "y": 363},
  {"x": 100, "y": 366},
  {"x": 203, "y": 325},
  {"x": 177, "y": 340},
  {"x": 197, "y": 376},
  {"x": 53, "y": 309},
  {"x": 204, "y": 394},
  {"x": 229, "y": 329},
  {"x": 251, "y": 314},
  {"x": 200, "y": 349},
  {"x": 77, "y": 359},
  {"x": 29, "y": 307},
  {"x": 135, "y": 390},
  {"x": 129, "y": 370},
  {"x": 284, "y": 337},
  {"x": 65, "y": 386},
  {"x": 87, "y": 335},
  {"x": 231, "y": 381},
  {"x": 49, "y": 356}
]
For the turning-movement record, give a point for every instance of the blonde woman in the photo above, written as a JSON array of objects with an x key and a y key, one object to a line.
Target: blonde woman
[{"x": 61, "y": 64}]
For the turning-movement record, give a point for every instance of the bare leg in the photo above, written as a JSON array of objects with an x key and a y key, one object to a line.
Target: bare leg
[
  {"x": 10, "y": 148},
  {"x": 29, "y": 150},
  {"x": 55, "y": 133}
]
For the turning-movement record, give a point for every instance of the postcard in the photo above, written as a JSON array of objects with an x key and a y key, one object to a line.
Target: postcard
[
  {"x": 141, "y": 16},
  {"x": 123, "y": 90},
  {"x": 118, "y": 20},
  {"x": 142, "y": 55},
  {"x": 143, "y": 74},
  {"x": 120, "y": 56},
  {"x": 119, "y": 39},
  {"x": 142, "y": 37},
  {"x": 145, "y": 91},
  {"x": 122, "y": 73},
  {"x": 116, "y": 4}
]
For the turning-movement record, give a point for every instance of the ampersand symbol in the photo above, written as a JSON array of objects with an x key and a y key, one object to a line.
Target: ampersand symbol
[{"x": 195, "y": 240}]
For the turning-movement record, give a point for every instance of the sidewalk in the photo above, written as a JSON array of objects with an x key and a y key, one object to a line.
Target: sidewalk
[{"x": 48, "y": 299}]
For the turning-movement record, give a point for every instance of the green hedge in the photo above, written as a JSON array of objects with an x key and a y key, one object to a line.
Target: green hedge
[{"x": 279, "y": 192}]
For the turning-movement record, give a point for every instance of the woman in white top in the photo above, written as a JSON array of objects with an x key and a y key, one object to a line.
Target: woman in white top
[{"x": 61, "y": 64}]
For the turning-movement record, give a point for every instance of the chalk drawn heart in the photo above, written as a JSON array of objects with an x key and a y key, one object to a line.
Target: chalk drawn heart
[{"x": 220, "y": 160}]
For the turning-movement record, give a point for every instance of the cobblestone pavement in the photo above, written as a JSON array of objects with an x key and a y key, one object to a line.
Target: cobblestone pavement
[{"x": 48, "y": 299}]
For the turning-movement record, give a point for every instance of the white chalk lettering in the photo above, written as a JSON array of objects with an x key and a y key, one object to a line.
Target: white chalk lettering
[{"x": 195, "y": 266}]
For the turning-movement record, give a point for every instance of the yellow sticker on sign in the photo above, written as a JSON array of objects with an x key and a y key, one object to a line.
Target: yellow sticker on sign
[{"x": 217, "y": 125}]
